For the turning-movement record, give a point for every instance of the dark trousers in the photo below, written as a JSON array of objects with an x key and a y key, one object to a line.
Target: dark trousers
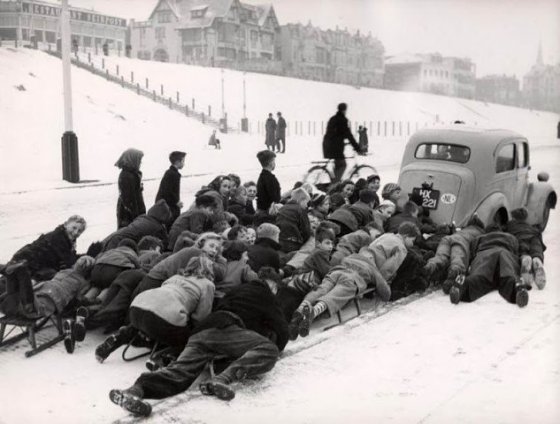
[
  {"x": 281, "y": 147},
  {"x": 289, "y": 299},
  {"x": 102, "y": 275},
  {"x": 158, "y": 329},
  {"x": 252, "y": 355},
  {"x": 479, "y": 285},
  {"x": 113, "y": 310},
  {"x": 339, "y": 168}
]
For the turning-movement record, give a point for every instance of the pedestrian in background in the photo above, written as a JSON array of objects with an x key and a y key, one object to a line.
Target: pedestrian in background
[
  {"x": 270, "y": 129},
  {"x": 281, "y": 133}
]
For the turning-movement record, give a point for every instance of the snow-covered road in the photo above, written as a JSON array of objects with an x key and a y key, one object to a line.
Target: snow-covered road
[{"x": 427, "y": 361}]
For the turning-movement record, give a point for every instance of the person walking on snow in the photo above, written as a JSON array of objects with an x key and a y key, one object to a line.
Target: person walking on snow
[
  {"x": 281, "y": 133},
  {"x": 338, "y": 130},
  {"x": 270, "y": 128}
]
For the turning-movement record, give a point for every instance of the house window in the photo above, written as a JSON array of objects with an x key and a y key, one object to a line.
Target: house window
[
  {"x": 160, "y": 33},
  {"x": 254, "y": 38},
  {"x": 198, "y": 12},
  {"x": 505, "y": 158},
  {"x": 164, "y": 17}
]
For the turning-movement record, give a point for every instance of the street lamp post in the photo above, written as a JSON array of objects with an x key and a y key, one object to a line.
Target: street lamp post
[
  {"x": 70, "y": 159},
  {"x": 244, "y": 120}
]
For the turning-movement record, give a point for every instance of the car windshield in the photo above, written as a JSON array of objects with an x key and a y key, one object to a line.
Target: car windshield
[{"x": 442, "y": 151}]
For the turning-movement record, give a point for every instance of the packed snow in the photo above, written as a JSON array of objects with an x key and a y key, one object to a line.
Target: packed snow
[{"x": 425, "y": 361}]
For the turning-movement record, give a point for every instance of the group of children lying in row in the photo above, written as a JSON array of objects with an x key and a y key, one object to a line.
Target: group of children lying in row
[{"x": 233, "y": 283}]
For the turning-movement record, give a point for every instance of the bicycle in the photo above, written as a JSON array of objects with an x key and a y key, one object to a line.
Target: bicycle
[{"x": 322, "y": 177}]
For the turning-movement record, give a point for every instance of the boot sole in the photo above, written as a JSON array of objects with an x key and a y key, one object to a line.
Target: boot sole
[
  {"x": 79, "y": 327},
  {"x": 454, "y": 295},
  {"x": 130, "y": 403},
  {"x": 293, "y": 326},
  {"x": 522, "y": 298},
  {"x": 221, "y": 391},
  {"x": 69, "y": 341},
  {"x": 305, "y": 323},
  {"x": 540, "y": 278}
]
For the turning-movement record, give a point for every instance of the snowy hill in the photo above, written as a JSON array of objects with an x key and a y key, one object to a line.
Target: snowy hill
[{"x": 303, "y": 100}]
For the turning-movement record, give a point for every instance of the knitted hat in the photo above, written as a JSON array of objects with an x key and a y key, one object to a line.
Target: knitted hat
[
  {"x": 408, "y": 229},
  {"x": 388, "y": 189},
  {"x": 127, "y": 242},
  {"x": 367, "y": 196},
  {"x": 520, "y": 214},
  {"x": 269, "y": 231}
]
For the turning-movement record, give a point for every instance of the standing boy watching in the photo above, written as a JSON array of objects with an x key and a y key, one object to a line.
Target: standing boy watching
[
  {"x": 268, "y": 188},
  {"x": 170, "y": 186}
]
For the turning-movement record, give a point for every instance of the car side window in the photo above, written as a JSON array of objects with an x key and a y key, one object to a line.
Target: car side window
[
  {"x": 522, "y": 155},
  {"x": 505, "y": 159}
]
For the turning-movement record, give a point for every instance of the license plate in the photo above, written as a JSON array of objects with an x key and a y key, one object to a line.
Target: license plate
[{"x": 430, "y": 198}]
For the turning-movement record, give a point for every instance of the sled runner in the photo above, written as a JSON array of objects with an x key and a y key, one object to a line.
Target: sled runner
[{"x": 28, "y": 328}]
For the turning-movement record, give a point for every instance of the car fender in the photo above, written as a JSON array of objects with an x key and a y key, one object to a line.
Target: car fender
[
  {"x": 537, "y": 197},
  {"x": 487, "y": 207}
]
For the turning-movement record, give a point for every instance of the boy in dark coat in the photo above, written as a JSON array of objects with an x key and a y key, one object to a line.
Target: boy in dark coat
[
  {"x": 494, "y": 266},
  {"x": 52, "y": 251},
  {"x": 268, "y": 188},
  {"x": 531, "y": 247},
  {"x": 248, "y": 328},
  {"x": 265, "y": 250},
  {"x": 409, "y": 214},
  {"x": 197, "y": 220},
  {"x": 363, "y": 208},
  {"x": 151, "y": 224},
  {"x": 131, "y": 202},
  {"x": 170, "y": 186},
  {"x": 293, "y": 222},
  {"x": 338, "y": 130}
]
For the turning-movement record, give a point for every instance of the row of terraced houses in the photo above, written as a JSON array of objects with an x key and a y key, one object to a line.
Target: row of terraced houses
[{"x": 232, "y": 34}]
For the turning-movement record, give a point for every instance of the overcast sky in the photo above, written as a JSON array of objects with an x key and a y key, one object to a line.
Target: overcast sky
[{"x": 501, "y": 36}]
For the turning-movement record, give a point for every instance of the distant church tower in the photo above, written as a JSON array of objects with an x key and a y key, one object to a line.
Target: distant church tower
[{"x": 540, "y": 61}]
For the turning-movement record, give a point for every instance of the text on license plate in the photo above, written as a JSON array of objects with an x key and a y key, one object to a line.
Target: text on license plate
[{"x": 429, "y": 197}]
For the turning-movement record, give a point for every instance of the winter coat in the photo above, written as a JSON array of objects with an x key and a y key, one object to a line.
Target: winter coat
[
  {"x": 350, "y": 243},
  {"x": 178, "y": 300},
  {"x": 363, "y": 266},
  {"x": 237, "y": 272},
  {"x": 393, "y": 223},
  {"x": 53, "y": 251},
  {"x": 170, "y": 189},
  {"x": 318, "y": 262},
  {"x": 363, "y": 213},
  {"x": 65, "y": 286},
  {"x": 345, "y": 218},
  {"x": 529, "y": 238},
  {"x": 270, "y": 128},
  {"x": 379, "y": 221},
  {"x": 495, "y": 250},
  {"x": 171, "y": 265},
  {"x": 281, "y": 128},
  {"x": 151, "y": 224},
  {"x": 294, "y": 226},
  {"x": 301, "y": 255},
  {"x": 363, "y": 139},
  {"x": 148, "y": 258},
  {"x": 252, "y": 306},
  {"x": 194, "y": 220},
  {"x": 131, "y": 202},
  {"x": 338, "y": 130},
  {"x": 122, "y": 256},
  {"x": 462, "y": 239},
  {"x": 389, "y": 252},
  {"x": 239, "y": 209},
  {"x": 264, "y": 253},
  {"x": 268, "y": 190}
]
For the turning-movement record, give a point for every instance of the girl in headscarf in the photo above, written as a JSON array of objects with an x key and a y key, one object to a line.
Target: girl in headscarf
[{"x": 131, "y": 202}]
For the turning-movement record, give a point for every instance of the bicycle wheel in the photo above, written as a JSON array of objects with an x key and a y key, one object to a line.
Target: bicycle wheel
[
  {"x": 363, "y": 171},
  {"x": 319, "y": 176}
]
